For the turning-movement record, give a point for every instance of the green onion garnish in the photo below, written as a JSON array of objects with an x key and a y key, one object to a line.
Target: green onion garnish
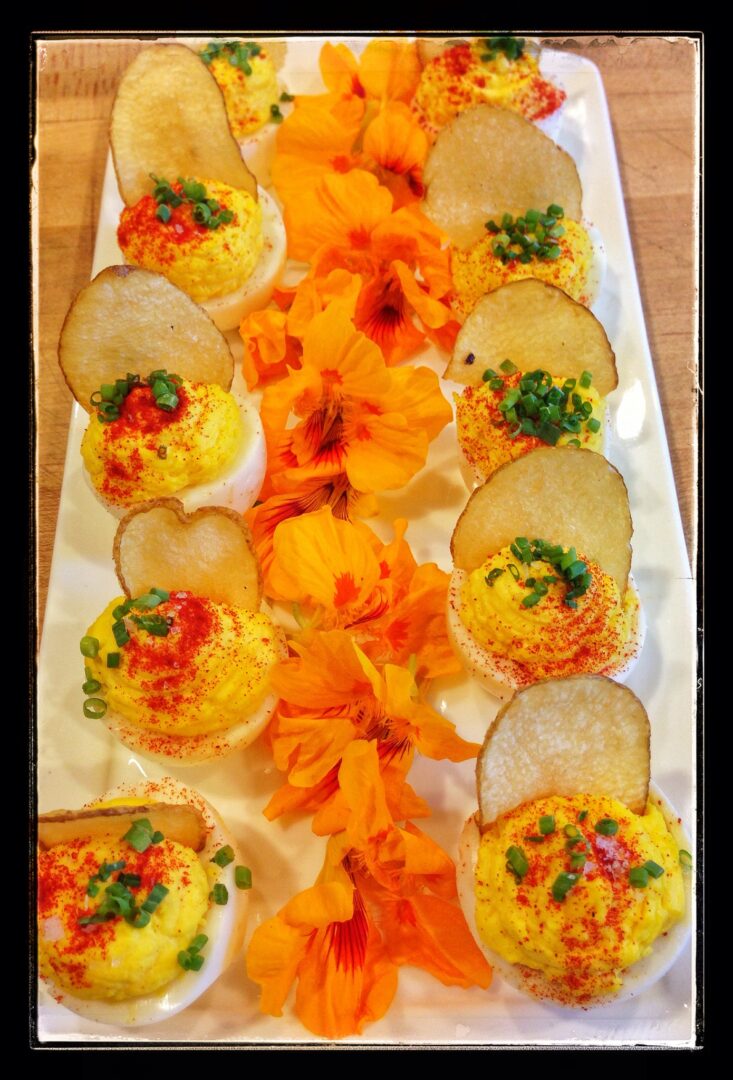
[
  {"x": 219, "y": 894},
  {"x": 571, "y": 831},
  {"x": 517, "y": 862},
  {"x": 89, "y": 647},
  {"x": 91, "y": 686},
  {"x": 577, "y": 860},
  {"x": 198, "y": 943},
  {"x": 113, "y": 660},
  {"x": 276, "y": 115},
  {"x": 562, "y": 885},
  {"x": 508, "y": 367},
  {"x": 162, "y": 593},
  {"x": 639, "y": 877},
  {"x": 606, "y": 826},
  {"x": 94, "y": 708},
  {"x": 582, "y": 815},
  {"x": 243, "y": 877},
  {"x": 285, "y": 96},
  {"x": 547, "y": 824},
  {"x": 223, "y": 856},
  {"x": 535, "y": 839},
  {"x": 585, "y": 379},
  {"x": 685, "y": 859},
  {"x": 493, "y": 575},
  {"x": 130, "y": 881},
  {"x": 140, "y": 835},
  {"x": 653, "y": 868},
  {"x": 120, "y": 632}
]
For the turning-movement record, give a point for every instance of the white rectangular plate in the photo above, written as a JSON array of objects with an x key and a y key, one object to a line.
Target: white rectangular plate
[{"x": 79, "y": 759}]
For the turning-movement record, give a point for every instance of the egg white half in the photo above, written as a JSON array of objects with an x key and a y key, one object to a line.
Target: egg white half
[
  {"x": 258, "y": 149},
  {"x": 501, "y": 675},
  {"x": 224, "y": 926},
  {"x": 228, "y": 311},
  {"x": 636, "y": 979},
  {"x": 195, "y": 749},
  {"x": 237, "y": 487}
]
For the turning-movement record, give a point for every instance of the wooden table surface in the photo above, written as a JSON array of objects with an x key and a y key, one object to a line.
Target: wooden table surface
[{"x": 651, "y": 88}]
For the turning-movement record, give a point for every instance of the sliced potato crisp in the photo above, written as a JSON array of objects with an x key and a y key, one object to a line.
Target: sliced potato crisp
[
  {"x": 180, "y": 822},
  {"x": 535, "y": 326},
  {"x": 132, "y": 320},
  {"x": 490, "y": 161},
  {"x": 209, "y": 552},
  {"x": 582, "y": 735},
  {"x": 169, "y": 119},
  {"x": 561, "y": 494}
]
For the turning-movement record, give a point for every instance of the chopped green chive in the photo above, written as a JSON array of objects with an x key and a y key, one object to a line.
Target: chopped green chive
[
  {"x": 219, "y": 894},
  {"x": 113, "y": 660},
  {"x": 285, "y": 96},
  {"x": 516, "y": 862},
  {"x": 276, "y": 115},
  {"x": 223, "y": 856},
  {"x": 535, "y": 839},
  {"x": 243, "y": 877},
  {"x": 513, "y": 571},
  {"x": 653, "y": 868},
  {"x": 489, "y": 374},
  {"x": 547, "y": 824},
  {"x": 120, "y": 632},
  {"x": 585, "y": 379},
  {"x": 94, "y": 708},
  {"x": 89, "y": 647},
  {"x": 639, "y": 877},
  {"x": 606, "y": 827},
  {"x": 198, "y": 943},
  {"x": 140, "y": 835},
  {"x": 582, "y": 815},
  {"x": 577, "y": 860},
  {"x": 571, "y": 831},
  {"x": 130, "y": 881},
  {"x": 562, "y": 885},
  {"x": 685, "y": 859},
  {"x": 493, "y": 575},
  {"x": 91, "y": 686}
]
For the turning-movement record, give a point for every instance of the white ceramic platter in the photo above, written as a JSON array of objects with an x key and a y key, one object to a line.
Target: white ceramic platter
[{"x": 79, "y": 759}]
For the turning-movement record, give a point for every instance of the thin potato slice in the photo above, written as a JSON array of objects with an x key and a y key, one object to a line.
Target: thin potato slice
[
  {"x": 535, "y": 326},
  {"x": 180, "y": 822},
  {"x": 169, "y": 119},
  {"x": 209, "y": 552},
  {"x": 561, "y": 494},
  {"x": 582, "y": 735},
  {"x": 490, "y": 161},
  {"x": 128, "y": 319}
]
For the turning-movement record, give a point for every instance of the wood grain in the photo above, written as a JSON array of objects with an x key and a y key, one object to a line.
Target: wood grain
[{"x": 651, "y": 88}]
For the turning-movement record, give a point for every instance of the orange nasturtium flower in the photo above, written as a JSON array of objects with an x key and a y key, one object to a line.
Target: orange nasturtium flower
[
  {"x": 332, "y": 695},
  {"x": 386, "y": 71},
  {"x": 386, "y": 266},
  {"x": 343, "y": 577},
  {"x": 360, "y": 427},
  {"x": 385, "y": 897}
]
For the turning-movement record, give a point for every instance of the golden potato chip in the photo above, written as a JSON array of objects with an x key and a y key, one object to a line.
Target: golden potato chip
[
  {"x": 582, "y": 735},
  {"x": 561, "y": 494},
  {"x": 209, "y": 552},
  {"x": 179, "y": 822},
  {"x": 490, "y": 161},
  {"x": 132, "y": 320},
  {"x": 535, "y": 326},
  {"x": 169, "y": 119}
]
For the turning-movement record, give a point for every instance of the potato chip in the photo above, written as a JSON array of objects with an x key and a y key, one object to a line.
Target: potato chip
[
  {"x": 561, "y": 494},
  {"x": 209, "y": 553},
  {"x": 179, "y": 822},
  {"x": 585, "y": 734},
  {"x": 490, "y": 161},
  {"x": 169, "y": 119},
  {"x": 132, "y": 320},
  {"x": 535, "y": 326}
]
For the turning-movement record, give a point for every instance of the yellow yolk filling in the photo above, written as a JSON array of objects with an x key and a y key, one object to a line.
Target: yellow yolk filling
[
  {"x": 549, "y": 639},
  {"x": 114, "y": 960},
  {"x": 149, "y": 453},
  {"x": 205, "y": 676},
  {"x": 248, "y": 98},
  {"x": 206, "y": 263},
  {"x": 483, "y": 434},
  {"x": 458, "y": 79},
  {"x": 584, "y": 942},
  {"x": 477, "y": 270}
]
